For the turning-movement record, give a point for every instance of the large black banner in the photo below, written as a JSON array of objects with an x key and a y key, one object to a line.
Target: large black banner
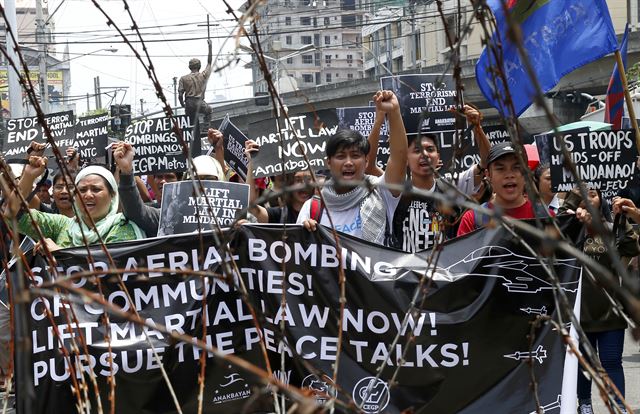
[
  {"x": 280, "y": 152},
  {"x": 158, "y": 148},
  {"x": 466, "y": 348},
  {"x": 22, "y": 131}
]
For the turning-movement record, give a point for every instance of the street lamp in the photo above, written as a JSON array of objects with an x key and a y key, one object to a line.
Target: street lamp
[{"x": 296, "y": 52}]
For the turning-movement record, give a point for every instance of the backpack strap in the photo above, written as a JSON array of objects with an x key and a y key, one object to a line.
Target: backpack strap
[
  {"x": 480, "y": 220},
  {"x": 317, "y": 208}
]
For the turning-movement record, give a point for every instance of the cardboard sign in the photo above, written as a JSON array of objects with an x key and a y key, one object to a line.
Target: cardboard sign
[
  {"x": 22, "y": 131},
  {"x": 158, "y": 149},
  {"x": 182, "y": 211},
  {"x": 433, "y": 94},
  {"x": 361, "y": 119},
  {"x": 234, "y": 141},
  {"x": 605, "y": 160},
  {"x": 91, "y": 137},
  {"x": 283, "y": 151}
]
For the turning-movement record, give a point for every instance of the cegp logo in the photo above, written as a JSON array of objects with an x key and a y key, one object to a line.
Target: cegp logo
[
  {"x": 371, "y": 394},
  {"x": 321, "y": 386}
]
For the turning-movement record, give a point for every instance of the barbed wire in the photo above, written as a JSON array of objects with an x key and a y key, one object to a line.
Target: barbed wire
[{"x": 265, "y": 377}]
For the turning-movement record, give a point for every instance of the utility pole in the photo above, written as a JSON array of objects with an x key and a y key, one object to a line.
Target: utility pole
[
  {"x": 175, "y": 91},
  {"x": 15, "y": 91},
  {"x": 96, "y": 87},
  {"x": 88, "y": 104},
  {"x": 42, "y": 58},
  {"x": 141, "y": 106}
]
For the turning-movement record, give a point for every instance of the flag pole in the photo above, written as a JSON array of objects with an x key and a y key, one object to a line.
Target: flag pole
[{"x": 627, "y": 97}]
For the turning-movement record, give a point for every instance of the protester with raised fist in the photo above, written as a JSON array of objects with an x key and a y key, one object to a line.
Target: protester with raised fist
[
  {"x": 146, "y": 216},
  {"x": 418, "y": 220},
  {"x": 97, "y": 203},
  {"x": 360, "y": 204}
]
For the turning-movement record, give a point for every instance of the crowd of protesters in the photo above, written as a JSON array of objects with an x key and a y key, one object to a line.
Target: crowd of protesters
[{"x": 393, "y": 206}]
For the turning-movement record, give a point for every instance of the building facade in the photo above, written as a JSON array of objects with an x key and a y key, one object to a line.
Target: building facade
[
  {"x": 399, "y": 38},
  {"x": 329, "y": 32}
]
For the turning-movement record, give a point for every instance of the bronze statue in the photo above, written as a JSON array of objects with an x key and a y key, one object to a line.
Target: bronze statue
[{"x": 191, "y": 89}]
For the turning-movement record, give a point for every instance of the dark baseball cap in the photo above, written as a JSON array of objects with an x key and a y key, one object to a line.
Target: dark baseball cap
[{"x": 500, "y": 150}]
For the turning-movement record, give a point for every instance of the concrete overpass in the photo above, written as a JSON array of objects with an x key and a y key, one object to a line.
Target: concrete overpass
[{"x": 592, "y": 79}]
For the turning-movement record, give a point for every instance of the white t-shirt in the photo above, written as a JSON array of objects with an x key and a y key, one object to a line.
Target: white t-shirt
[
  {"x": 465, "y": 181},
  {"x": 349, "y": 221}
]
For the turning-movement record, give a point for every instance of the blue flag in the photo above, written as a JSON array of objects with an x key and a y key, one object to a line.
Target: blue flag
[
  {"x": 559, "y": 36},
  {"x": 614, "y": 102}
]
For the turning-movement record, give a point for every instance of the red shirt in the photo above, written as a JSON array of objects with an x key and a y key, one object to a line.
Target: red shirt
[{"x": 468, "y": 220}]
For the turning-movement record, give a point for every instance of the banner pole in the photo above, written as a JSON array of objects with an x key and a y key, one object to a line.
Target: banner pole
[{"x": 627, "y": 97}]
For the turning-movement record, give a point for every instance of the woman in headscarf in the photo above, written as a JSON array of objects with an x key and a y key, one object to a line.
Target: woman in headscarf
[{"x": 97, "y": 189}]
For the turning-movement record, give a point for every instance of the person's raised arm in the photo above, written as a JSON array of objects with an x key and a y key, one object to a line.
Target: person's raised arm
[
  {"x": 216, "y": 139},
  {"x": 207, "y": 71},
  {"x": 146, "y": 217},
  {"x": 32, "y": 170},
  {"x": 395, "y": 172},
  {"x": 474, "y": 117},
  {"x": 257, "y": 210},
  {"x": 374, "y": 142}
]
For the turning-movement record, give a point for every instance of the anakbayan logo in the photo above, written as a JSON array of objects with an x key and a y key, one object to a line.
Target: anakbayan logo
[{"x": 233, "y": 388}]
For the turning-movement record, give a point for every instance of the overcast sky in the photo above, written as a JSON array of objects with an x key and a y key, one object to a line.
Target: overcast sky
[{"x": 175, "y": 31}]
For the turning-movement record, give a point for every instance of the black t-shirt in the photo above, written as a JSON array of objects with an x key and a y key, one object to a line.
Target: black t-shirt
[
  {"x": 417, "y": 223},
  {"x": 275, "y": 215}
]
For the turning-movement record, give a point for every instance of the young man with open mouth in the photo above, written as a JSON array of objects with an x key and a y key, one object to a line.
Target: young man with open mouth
[
  {"x": 353, "y": 207},
  {"x": 507, "y": 181}
]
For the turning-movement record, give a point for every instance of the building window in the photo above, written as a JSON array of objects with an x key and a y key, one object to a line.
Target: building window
[
  {"x": 307, "y": 59},
  {"x": 328, "y": 78},
  {"x": 288, "y": 40},
  {"x": 305, "y": 2},
  {"x": 349, "y": 75},
  {"x": 327, "y": 40},
  {"x": 327, "y": 21},
  {"x": 337, "y": 75},
  {"x": 315, "y": 22},
  {"x": 306, "y": 40},
  {"x": 290, "y": 61},
  {"x": 327, "y": 59},
  {"x": 287, "y": 21},
  {"x": 350, "y": 59},
  {"x": 307, "y": 78},
  {"x": 305, "y": 21}
]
